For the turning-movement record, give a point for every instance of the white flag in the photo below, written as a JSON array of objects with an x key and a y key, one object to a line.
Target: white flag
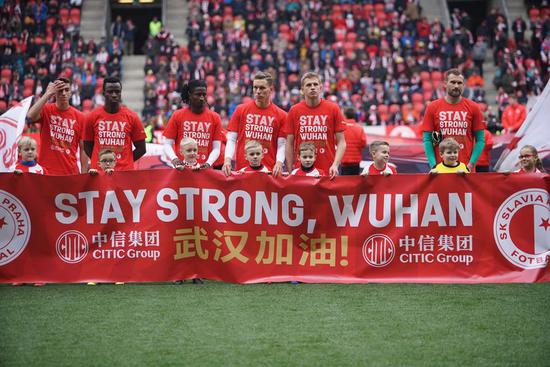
[
  {"x": 534, "y": 131},
  {"x": 12, "y": 124}
]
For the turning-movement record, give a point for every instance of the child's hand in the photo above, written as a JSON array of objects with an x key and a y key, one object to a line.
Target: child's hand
[
  {"x": 203, "y": 166},
  {"x": 18, "y": 172},
  {"x": 179, "y": 167},
  {"x": 109, "y": 171},
  {"x": 433, "y": 171},
  {"x": 460, "y": 172},
  {"x": 92, "y": 172},
  {"x": 386, "y": 173}
]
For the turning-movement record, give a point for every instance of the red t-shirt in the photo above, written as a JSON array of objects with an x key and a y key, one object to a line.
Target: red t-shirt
[
  {"x": 60, "y": 135},
  {"x": 314, "y": 172},
  {"x": 356, "y": 140},
  {"x": 114, "y": 131},
  {"x": 261, "y": 124},
  {"x": 370, "y": 170},
  {"x": 248, "y": 169},
  {"x": 204, "y": 128},
  {"x": 32, "y": 168},
  {"x": 458, "y": 121},
  {"x": 317, "y": 124}
]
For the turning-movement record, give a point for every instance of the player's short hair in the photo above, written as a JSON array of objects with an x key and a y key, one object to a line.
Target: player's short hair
[
  {"x": 349, "y": 112},
  {"x": 373, "y": 147},
  {"x": 252, "y": 144},
  {"x": 25, "y": 141},
  {"x": 112, "y": 80},
  {"x": 453, "y": 71},
  {"x": 310, "y": 75},
  {"x": 64, "y": 80},
  {"x": 448, "y": 144},
  {"x": 260, "y": 75},
  {"x": 307, "y": 145},
  {"x": 188, "y": 88},
  {"x": 187, "y": 140}
]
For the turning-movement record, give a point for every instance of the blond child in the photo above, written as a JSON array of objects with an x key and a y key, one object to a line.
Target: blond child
[
  {"x": 26, "y": 150},
  {"x": 448, "y": 149},
  {"x": 529, "y": 160},
  {"x": 188, "y": 149},
  {"x": 380, "y": 153},
  {"x": 307, "y": 154},
  {"x": 106, "y": 162},
  {"x": 254, "y": 153}
]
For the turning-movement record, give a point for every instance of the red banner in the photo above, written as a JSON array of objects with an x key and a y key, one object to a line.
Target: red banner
[{"x": 164, "y": 225}]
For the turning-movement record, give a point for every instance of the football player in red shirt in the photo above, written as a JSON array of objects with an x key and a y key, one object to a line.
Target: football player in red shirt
[
  {"x": 319, "y": 121},
  {"x": 114, "y": 127},
  {"x": 259, "y": 120}
]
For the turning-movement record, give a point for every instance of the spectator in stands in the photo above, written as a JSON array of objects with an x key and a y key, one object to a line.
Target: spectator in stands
[
  {"x": 356, "y": 140},
  {"x": 154, "y": 27},
  {"x": 114, "y": 126},
  {"x": 513, "y": 115},
  {"x": 129, "y": 37},
  {"x": 61, "y": 130}
]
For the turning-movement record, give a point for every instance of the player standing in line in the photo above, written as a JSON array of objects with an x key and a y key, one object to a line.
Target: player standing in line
[
  {"x": 195, "y": 121},
  {"x": 356, "y": 140},
  {"x": 114, "y": 127},
  {"x": 454, "y": 116},
  {"x": 61, "y": 130},
  {"x": 259, "y": 120},
  {"x": 319, "y": 121}
]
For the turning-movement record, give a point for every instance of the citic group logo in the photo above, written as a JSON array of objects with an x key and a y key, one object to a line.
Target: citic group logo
[
  {"x": 522, "y": 228},
  {"x": 378, "y": 250}
]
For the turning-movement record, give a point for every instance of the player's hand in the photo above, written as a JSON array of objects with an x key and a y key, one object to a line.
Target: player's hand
[
  {"x": 460, "y": 172},
  {"x": 433, "y": 171},
  {"x": 333, "y": 171},
  {"x": 202, "y": 166},
  {"x": 177, "y": 162},
  {"x": 93, "y": 172},
  {"x": 179, "y": 167},
  {"x": 18, "y": 172},
  {"x": 386, "y": 174},
  {"x": 226, "y": 169},
  {"x": 470, "y": 166},
  {"x": 277, "y": 169}
]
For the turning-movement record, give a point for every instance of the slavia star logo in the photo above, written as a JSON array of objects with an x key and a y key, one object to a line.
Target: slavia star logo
[{"x": 522, "y": 228}]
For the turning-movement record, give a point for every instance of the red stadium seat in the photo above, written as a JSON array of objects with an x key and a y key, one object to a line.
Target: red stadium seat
[
  {"x": 383, "y": 109},
  {"x": 417, "y": 98},
  {"x": 27, "y": 92},
  {"x": 75, "y": 15},
  {"x": 367, "y": 8},
  {"x": 284, "y": 28},
  {"x": 379, "y": 7},
  {"x": 87, "y": 105},
  {"x": 437, "y": 76},
  {"x": 428, "y": 95},
  {"x": 394, "y": 108},
  {"x": 425, "y": 76},
  {"x": 351, "y": 37},
  {"x": 210, "y": 80},
  {"x": 427, "y": 86},
  {"x": 418, "y": 108},
  {"x": 28, "y": 83},
  {"x": 3, "y": 106},
  {"x": 6, "y": 74}
]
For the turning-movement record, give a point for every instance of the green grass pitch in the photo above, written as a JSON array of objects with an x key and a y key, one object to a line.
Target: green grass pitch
[{"x": 218, "y": 324}]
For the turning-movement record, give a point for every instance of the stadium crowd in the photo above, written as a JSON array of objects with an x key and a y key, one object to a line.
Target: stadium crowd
[{"x": 40, "y": 40}]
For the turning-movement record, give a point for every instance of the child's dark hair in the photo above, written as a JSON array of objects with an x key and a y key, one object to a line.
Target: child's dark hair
[
  {"x": 189, "y": 88},
  {"x": 112, "y": 80}
]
